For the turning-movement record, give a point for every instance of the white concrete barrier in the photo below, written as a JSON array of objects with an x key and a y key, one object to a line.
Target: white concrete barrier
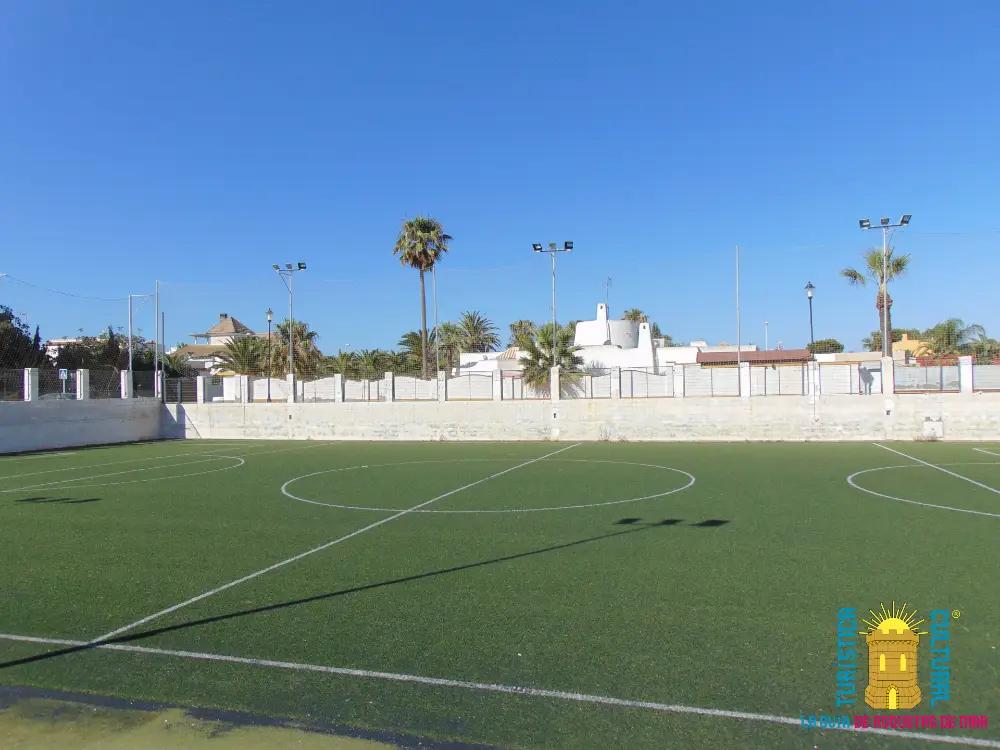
[
  {"x": 795, "y": 418},
  {"x": 64, "y": 423}
]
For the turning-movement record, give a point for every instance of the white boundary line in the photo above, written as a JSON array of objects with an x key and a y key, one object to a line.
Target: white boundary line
[
  {"x": 490, "y": 687},
  {"x": 43, "y": 485},
  {"x": 855, "y": 485},
  {"x": 690, "y": 477},
  {"x": 320, "y": 548},
  {"x": 933, "y": 466},
  {"x": 983, "y": 450}
]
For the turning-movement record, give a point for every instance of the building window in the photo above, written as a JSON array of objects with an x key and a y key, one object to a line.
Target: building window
[
  {"x": 881, "y": 662},
  {"x": 902, "y": 662}
]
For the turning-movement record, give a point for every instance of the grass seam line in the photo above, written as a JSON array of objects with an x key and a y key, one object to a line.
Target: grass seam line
[
  {"x": 939, "y": 468},
  {"x": 320, "y": 548},
  {"x": 500, "y": 688}
]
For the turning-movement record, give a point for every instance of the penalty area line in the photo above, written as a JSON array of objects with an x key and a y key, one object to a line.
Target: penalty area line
[
  {"x": 320, "y": 548},
  {"x": 490, "y": 687}
]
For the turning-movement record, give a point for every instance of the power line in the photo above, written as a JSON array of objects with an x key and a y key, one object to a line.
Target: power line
[{"x": 59, "y": 291}]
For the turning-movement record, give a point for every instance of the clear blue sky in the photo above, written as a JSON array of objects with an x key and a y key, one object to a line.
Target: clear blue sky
[{"x": 198, "y": 142}]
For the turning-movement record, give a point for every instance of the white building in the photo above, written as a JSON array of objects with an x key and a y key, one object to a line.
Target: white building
[
  {"x": 204, "y": 355},
  {"x": 607, "y": 343}
]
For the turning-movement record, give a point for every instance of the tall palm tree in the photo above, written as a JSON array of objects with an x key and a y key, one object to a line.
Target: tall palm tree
[
  {"x": 543, "y": 355},
  {"x": 450, "y": 343},
  {"x": 636, "y": 315},
  {"x": 410, "y": 345},
  {"x": 421, "y": 243},
  {"x": 522, "y": 331},
  {"x": 342, "y": 362},
  {"x": 477, "y": 332},
  {"x": 244, "y": 356},
  {"x": 872, "y": 270}
]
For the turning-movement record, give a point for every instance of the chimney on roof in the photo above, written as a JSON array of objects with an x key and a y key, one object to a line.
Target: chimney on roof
[{"x": 223, "y": 316}]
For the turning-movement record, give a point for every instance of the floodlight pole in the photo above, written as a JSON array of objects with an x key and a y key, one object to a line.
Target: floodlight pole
[
  {"x": 270, "y": 317},
  {"x": 885, "y": 226},
  {"x": 286, "y": 275},
  {"x": 552, "y": 250}
]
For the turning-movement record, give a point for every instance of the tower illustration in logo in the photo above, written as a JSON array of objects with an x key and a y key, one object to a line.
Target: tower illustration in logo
[{"x": 892, "y": 640}]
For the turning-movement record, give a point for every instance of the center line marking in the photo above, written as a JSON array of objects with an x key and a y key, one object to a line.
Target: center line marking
[
  {"x": 320, "y": 548},
  {"x": 940, "y": 468}
]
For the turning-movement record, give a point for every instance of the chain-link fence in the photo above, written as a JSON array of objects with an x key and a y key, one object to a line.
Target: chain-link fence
[
  {"x": 105, "y": 384},
  {"x": 55, "y": 384},
  {"x": 779, "y": 380},
  {"x": 593, "y": 382},
  {"x": 986, "y": 373},
  {"x": 412, "y": 386},
  {"x": 473, "y": 386},
  {"x": 513, "y": 387},
  {"x": 926, "y": 377},
  {"x": 646, "y": 382},
  {"x": 847, "y": 378},
  {"x": 11, "y": 384}
]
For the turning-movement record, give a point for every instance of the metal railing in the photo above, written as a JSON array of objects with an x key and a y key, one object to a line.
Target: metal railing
[
  {"x": 513, "y": 388},
  {"x": 591, "y": 383},
  {"x": 927, "y": 378},
  {"x": 11, "y": 384},
  {"x": 180, "y": 390},
  {"x": 986, "y": 374},
  {"x": 412, "y": 386},
  {"x": 646, "y": 382},
  {"x": 711, "y": 381},
  {"x": 470, "y": 387},
  {"x": 779, "y": 380}
]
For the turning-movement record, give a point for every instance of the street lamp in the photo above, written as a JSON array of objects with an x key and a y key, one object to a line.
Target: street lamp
[
  {"x": 270, "y": 317},
  {"x": 286, "y": 274},
  {"x": 552, "y": 250},
  {"x": 886, "y": 226},
  {"x": 809, "y": 293}
]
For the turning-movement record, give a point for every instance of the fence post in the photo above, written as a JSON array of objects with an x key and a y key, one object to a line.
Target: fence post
[
  {"x": 442, "y": 386},
  {"x": 338, "y": 388},
  {"x": 126, "y": 382},
  {"x": 679, "y": 381},
  {"x": 291, "y": 387},
  {"x": 199, "y": 389},
  {"x": 498, "y": 385},
  {"x": 82, "y": 384},
  {"x": 616, "y": 383},
  {"x": 812, "y": 378},
  {"x": 554, "y": 393},
  {"x": 30, "y": 383},
  {"x": 390, "y": 386},
  {"x": 965, "y": 374},
  {"x": 888, "y": 376},
  {"x": 744, "y": 380}
]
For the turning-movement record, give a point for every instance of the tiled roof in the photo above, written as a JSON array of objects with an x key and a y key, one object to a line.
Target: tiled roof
[
  {"x": 509, "y": 353},
  {"x": 767, "y": 356},
  {"x": 227, "y": 326}
]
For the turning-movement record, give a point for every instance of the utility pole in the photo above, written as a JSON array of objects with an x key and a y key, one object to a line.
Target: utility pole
[{"x": 552, "y": 251}]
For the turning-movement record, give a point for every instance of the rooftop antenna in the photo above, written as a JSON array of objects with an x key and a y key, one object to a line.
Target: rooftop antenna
[{"x": 607, "y": 286}]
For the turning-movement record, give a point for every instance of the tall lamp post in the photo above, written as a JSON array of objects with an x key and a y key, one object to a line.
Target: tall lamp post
[
  {"x": 553, "y": 250},
  {"x": 286, "y": 275},
  {"x": 886, "y": 227},
  {"x": 812, "y": 339},
  {"x": 270, "y": 317}
]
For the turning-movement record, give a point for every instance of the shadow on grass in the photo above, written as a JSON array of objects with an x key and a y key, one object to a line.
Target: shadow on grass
[
  {"x": 63, "y": 500},
  {"x": 636, "y": 525}
]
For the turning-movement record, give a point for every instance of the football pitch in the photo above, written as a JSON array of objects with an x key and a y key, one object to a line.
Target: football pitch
[{"x": 502, "y": 594}]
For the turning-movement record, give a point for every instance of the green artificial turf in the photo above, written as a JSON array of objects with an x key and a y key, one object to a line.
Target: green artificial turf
[{"x": 722, "y": 595}]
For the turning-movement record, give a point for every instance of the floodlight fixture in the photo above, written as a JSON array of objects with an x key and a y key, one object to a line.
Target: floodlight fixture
[
  {"x": 302, "y": 266},
  {"x": 552, "y": 247},
  {"x": 885, "y": 221},
  {"x": 887, "y": 227},
  {"x": 905, "y": 220},
  {"x": 864, "y": 223},
  {"x": 568, "y": 245},
  {"x": 536, "y": 247},
  {"x": 288, "y": 266},
  {"x": 275, "y": 266}
]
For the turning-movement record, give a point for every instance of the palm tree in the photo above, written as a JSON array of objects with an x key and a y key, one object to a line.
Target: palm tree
[
  {"x": 951, "y": 337},
  {"x": 522, "y": 331},
  {"x": 176, "y": 365},
  {"x": 410, "y": 344},
  {"x": 542, "y": 356},
  {"x": 636, "y": 315},
  {"x": 343, "y": 362},
  {"x": 244, "y": 356},
  {"x": 477, "y": 332},
  {"x": 896, "y": 267},
  {"x": 307, "y": 356},
  {"x": 450, "y": 343},
  {"x": 420, "y": 244}
]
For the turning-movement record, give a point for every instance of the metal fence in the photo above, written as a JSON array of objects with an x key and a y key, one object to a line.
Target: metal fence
[
  {"x": 779, "y": 380},
  {"x": 926, "y": 378},
  {"x": 143, "y": 384},
  {"x": 513, "y": 388},
  {"x": 711, "y": 381},
  {"x": 591, "y": 383},
  {"x": 412, "y": 386},
  {"x": 470, "y": 387},
  {"x": 986, "y": 374},
  {"x": 105, "y": 384},
  {"x": 51, "y": 386},
  {"x": 180, "y": 390},
  {"x": 11, "y": 384},
  {"x": 850, "y": 378},
  {"x": 363, "y": 390},
  {"x": 646, "y": 382},
  {"x": 318, "y": 390}
]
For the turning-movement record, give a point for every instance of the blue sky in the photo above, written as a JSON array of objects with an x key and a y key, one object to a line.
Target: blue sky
[{"x": 197, "y": 143}]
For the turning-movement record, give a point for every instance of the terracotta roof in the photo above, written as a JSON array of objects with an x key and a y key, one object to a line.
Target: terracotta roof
[
  {"x": 768, "y": 356},
  {"x": 201, "y": 350},
  {"x": 227, "y": 326},
  {"x": 509, "y": 353}
]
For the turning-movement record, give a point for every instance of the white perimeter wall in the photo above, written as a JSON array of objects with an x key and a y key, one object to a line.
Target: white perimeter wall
[
  {"x": 43, "y": 425},
  {"x": 911, "y": 417}
]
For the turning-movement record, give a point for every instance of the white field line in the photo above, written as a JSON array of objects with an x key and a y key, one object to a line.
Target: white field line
[
  {"x": 855, "y": 485},
  {"x": 113, "y": 474},
  {"x": 320, "y": 548},
  {"x": 939, "y": 468},
  {"x": 983, "y": 450},
  {"x": 490, "y": 687},
  {"x": 37, "y": 455}
]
